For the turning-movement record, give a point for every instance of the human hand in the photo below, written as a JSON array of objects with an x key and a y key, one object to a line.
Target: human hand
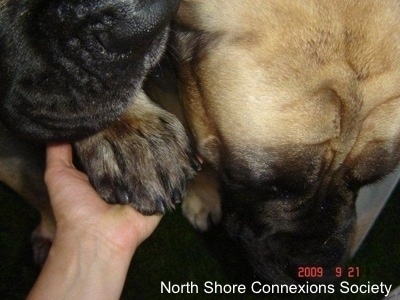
[
  {"x": 94, "y": 241},
  {"x": 79, "y": 209}
]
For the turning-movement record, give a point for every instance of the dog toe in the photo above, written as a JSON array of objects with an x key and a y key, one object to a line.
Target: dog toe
[{"x": 202, "y": 213}]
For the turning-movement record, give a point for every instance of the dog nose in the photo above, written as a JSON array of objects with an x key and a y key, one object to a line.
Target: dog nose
[
  {"x": 118, "y": 26},
  {"x": 133, "y": 26}
]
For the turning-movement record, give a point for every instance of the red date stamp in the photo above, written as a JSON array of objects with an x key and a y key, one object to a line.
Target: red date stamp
[
  {"x": 349, "y": 272},
  {"x": 319, "y": 272},
  {"x": 310, "y": 272}
]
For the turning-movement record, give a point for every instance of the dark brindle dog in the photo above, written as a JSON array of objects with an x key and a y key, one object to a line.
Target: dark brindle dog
[
  {"x": 73, "y": 70},
  {"x": 294, "y": 105}
]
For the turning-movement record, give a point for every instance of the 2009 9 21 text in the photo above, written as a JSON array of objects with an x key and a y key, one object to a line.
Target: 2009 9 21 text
[{"x": 318, "y": 272}]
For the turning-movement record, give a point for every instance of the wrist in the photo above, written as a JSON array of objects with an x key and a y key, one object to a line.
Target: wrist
[
  {"x": 86, "y": 243},
  {"x": 83, "y": 266}
]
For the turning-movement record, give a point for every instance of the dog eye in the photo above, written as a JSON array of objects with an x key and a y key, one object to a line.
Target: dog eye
[
  {"x": 275, "y": 192},
  {"x": 287, "y": 188}
]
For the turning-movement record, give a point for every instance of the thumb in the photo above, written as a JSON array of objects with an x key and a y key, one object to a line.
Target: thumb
[
  {"x": 59, "y": 156},
  {"x": 63, "y": 181}
]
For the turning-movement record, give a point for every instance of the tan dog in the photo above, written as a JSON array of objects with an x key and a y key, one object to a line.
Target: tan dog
[{"x": 294, "y": 105}]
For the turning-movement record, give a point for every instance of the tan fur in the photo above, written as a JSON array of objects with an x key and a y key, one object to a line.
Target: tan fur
[
  {"x": 202, "y": 205},
  {"x": 296, "y": 105},
  {"x": 345, "y": 79}
]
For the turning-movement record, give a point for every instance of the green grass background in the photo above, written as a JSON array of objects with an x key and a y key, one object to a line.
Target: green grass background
[{"x": 176, "y": 253}]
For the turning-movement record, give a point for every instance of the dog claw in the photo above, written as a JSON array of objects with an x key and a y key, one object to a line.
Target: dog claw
[
  {"x": 122, "y": 196},
  {"x": 142, "y": 160},
  {"x": 196, "y": 165}
]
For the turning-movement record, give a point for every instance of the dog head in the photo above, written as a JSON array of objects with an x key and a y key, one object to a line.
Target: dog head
[
  {"x": 296, "y": 105},
  {"x": 68, "y": 68}
]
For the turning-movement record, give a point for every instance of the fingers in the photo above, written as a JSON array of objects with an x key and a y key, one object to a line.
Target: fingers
[
  {"x": 59, "y": 166},
  {"x": 141, "y": 226},
  {"x": 61, "y": 177},
  {"x": 151, "y": 224},
  {"x": 59, "y": 156}
]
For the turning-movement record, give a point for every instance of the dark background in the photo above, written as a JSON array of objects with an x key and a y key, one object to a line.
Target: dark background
[{"x": 177, "y": 253}]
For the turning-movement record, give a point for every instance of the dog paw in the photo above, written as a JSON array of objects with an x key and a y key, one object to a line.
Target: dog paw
[
  {"x": 40, "y": 247},
  {"x": 41, "y": 239},
  {"x": 202, "y": 206},
  {"x": 144, "y": 159}
]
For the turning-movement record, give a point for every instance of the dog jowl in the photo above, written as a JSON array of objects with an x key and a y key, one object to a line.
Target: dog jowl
[{"x": 295, "y": 105}]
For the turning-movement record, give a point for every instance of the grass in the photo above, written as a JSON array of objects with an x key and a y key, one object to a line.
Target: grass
[{"x": 178, "y": 254}]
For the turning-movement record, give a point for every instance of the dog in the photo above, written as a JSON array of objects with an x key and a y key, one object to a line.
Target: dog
[
  {"x": 73, "y": 71},
  {"x": 294, "y": 106}
]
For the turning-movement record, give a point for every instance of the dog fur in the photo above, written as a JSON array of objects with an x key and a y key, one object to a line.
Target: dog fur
[
  {"x": 294, "y": 105},
  {"x": 73, "y": 71}
]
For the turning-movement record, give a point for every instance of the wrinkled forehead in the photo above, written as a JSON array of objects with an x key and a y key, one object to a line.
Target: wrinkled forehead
[
  {"x": 281, "y": 102},
  {"x": 286, "y": 74},
  {"x": 291, "y": 72},
  {"x": 256, "y": 97}
]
